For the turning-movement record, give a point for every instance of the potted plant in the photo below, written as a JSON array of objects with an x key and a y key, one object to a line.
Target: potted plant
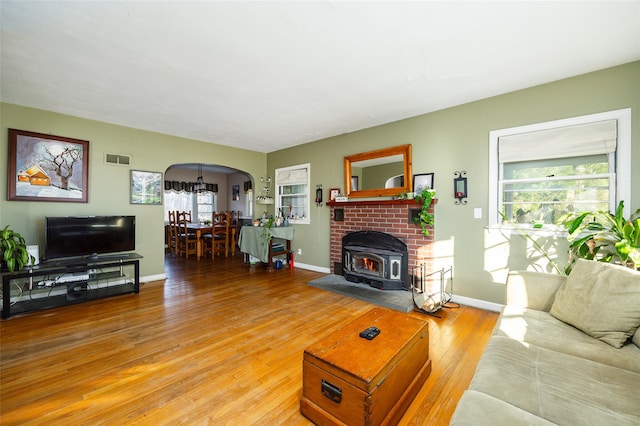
[
  {"x": 14, "y": 252},
  {"x": 425, "y": 217},
  {"x": 605, "y": 237}
]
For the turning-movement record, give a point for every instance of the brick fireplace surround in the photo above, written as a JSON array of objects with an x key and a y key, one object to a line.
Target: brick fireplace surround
[{"x": 390, "y": 216}]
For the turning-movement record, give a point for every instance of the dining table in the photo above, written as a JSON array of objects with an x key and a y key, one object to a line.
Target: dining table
[{"x": 200, "y": 229}]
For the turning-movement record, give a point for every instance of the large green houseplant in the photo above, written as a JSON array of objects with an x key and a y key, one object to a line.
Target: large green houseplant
[
  {"x": 13, "y": 252},
  {"x": 605, "y": 237}
]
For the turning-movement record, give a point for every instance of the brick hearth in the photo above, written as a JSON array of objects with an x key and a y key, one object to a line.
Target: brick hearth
[{"x": 390, "y": 216}]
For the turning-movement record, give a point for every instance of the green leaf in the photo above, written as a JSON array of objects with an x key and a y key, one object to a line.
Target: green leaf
[
  {"x": 580, "y": 241},
  {"x": 624, "y": 249},
  {"x": 634, "y": 255},
  {"x": 574, "y": 224},
  {"x": 619, "y": 219},
  {"x": 10, "y": 263},
  {"x": 635, "y": 240},
  {"x": 627, "y": 231}
]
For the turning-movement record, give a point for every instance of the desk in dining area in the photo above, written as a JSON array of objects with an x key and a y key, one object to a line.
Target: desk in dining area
[{"x": 258, "y": 241}]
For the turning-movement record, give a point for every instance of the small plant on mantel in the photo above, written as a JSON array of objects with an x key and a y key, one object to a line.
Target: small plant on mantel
[{"x": 425, "y": 217}]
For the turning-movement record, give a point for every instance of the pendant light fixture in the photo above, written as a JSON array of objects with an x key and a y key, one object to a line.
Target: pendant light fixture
[{"x": 200, "y": 186}]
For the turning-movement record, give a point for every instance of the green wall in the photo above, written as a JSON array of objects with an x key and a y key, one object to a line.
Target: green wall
[
  {"x": 109, "y": 184},
  {"x": 443, "y": 142},
  {"x": 457, "y": 139}
]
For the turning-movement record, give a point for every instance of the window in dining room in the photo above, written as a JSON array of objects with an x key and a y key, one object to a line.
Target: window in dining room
[
  {"x": 202, "y": 205},
  {"x": 206, "y": 205},
  {"x": 177, "y": 201}
]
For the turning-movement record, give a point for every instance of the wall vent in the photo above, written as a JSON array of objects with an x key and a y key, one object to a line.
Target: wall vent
[{"x": 122, "y": 160}]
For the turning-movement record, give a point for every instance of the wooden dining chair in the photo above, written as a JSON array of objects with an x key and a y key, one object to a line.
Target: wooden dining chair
[
  {"x": 218, "y": 241},
  {"x": 186, "y": 239},
  {"x": 234, "y": 229},
  {"x": 173, "y": 232},
  {"x": 184, "y": 215}
]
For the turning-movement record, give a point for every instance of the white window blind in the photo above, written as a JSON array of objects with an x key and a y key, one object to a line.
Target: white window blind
[
  {"x": 292, "y": 177},
  {"x": 570, "y": 141},
  {"x": 542, "y": 157}
]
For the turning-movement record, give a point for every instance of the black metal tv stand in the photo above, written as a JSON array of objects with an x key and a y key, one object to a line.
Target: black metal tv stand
[{"x": 60, "y": 282}]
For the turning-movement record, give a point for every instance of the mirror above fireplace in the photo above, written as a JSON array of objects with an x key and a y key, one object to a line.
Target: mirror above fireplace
[{"x": 381, "y": 173}]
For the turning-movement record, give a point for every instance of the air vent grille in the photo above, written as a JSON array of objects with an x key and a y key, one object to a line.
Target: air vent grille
[{"x": 119, "y": 159}]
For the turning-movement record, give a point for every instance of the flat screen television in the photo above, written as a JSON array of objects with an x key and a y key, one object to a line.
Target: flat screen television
[{"x": 90, "y": 236}]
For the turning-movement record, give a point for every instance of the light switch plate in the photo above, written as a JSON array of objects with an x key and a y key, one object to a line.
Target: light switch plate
[{"x": 477, "y": 213}]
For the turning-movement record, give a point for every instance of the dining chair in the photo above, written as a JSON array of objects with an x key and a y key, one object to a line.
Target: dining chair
[
  {"x": 218, "y": 241},
  {"x": 187, "y": 240},
  {"x": 235, "y": 230},
  {"x": 173, "y": 232},
  {"x": 184, "y": 215}
]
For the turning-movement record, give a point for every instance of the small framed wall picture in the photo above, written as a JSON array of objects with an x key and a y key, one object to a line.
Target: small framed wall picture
[
  {"x": 333, "y": 193},
  {"x": 422, "y": 181},
  {"x": 146, "y": 187}
]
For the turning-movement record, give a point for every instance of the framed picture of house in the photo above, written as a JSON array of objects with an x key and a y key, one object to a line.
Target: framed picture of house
[
  {"x": 422, "y": 181},
  {"x": 146, "y": 187},
  {"x": 333, "y": 193},
  {"x": 44, "y": 167}
]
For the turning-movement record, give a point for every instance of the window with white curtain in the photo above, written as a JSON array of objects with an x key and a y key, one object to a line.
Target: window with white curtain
[
  {"x": 201, "y": 205},
  {"x": 181, "y": 201},
  {"x": 292, "y": 192},
  {"x": 539, "y": 173}
]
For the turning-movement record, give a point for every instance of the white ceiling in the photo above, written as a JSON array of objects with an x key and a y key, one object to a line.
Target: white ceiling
[{"x": 268, "y": 75}]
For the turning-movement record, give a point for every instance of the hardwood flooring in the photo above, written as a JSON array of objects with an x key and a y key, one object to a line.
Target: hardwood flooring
[{"x": 220, "y": 342}]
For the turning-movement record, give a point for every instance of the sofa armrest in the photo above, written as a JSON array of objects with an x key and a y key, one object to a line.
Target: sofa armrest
[{"x": 533, "y": 290}]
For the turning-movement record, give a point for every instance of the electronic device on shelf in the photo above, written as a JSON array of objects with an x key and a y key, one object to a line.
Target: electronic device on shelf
[
  {"x": 72, "y": 277},
  {"x": 90, "y": 236}
]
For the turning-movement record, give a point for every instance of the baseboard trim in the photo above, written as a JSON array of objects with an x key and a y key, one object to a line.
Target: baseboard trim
[
  {"x": 312, "y": 267},
  {"x": 150, "y": 278},
  {"x": 477, "y": 303}
]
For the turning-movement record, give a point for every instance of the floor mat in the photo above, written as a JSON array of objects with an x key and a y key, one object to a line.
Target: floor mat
[{"x": 400, "y": 300}]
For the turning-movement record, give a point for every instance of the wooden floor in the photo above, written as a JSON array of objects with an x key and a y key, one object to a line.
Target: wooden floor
[{"x": 218, "y": 343}]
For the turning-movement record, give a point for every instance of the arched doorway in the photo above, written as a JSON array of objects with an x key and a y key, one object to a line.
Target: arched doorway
[{"x": 224, "y": 189}]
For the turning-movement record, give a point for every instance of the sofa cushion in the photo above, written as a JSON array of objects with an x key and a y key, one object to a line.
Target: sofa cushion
[
  {"x": 560, "y": 388},
  {"x": 543, "y": 330},
  {"x": 533, "y": 290},
  {"x": 636, "y": 338},
  {"x": 480, "y": 409},
  {"x": 601, "y": 299}
]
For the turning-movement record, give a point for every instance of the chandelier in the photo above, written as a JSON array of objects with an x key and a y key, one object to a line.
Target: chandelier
[{"x": 199, "y": 186}]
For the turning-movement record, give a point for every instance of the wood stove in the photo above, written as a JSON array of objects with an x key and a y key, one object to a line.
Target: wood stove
[{"x": 375, "y": 258}]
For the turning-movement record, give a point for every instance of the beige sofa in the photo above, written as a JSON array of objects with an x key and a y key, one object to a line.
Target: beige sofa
[{"x": 565, "y": 350}]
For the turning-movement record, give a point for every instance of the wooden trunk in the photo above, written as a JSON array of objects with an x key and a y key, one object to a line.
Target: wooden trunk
[{"x": 349, "y": 380}]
